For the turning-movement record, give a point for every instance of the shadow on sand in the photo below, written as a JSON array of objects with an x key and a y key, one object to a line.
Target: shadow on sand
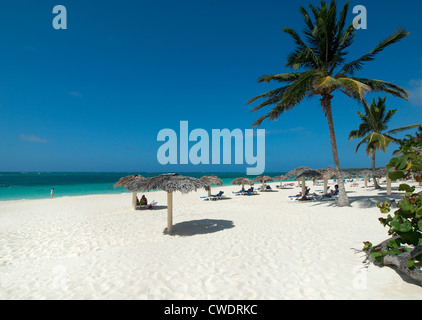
[
  {"x": 370, "y": 201},
  {"x": 203, "y": 226},
  {"x": 156, "y": 207},
  {"x": 365, "y": 201}
]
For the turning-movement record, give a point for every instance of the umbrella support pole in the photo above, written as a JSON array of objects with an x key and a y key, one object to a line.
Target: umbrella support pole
[
  {"x": 169, "y": 212},
  {"x": 134, "y": 197},
  {"x": 388, "y": 185},
  {"x": 303, "y": 188}
]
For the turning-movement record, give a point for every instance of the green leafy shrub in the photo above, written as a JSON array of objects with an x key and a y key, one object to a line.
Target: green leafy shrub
[{"x": 405, "y": 224}]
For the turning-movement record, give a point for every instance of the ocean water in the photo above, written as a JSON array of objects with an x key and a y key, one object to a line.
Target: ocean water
[{"x": 37, "y": 185}]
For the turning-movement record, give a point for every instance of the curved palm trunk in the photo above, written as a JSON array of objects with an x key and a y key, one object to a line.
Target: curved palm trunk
[
  {"x": 376, "y": 185},
  {"x": 343, "y": 200}
]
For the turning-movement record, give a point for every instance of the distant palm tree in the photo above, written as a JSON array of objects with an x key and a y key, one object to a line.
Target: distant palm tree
[
  {"x": 373, "y": 128},
  {"x": 324, "y": 70}
]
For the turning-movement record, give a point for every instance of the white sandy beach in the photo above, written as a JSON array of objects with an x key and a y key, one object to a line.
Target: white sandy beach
[{"x": 247, "y": 247}]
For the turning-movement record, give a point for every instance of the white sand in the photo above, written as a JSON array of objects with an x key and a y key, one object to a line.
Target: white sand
[{"x": 256, "y": 247}]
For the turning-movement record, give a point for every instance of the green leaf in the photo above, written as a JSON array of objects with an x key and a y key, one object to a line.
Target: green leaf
[
  {"x": 406, "y": 187},
  {"x": 376, "y": 254},
  {"x": 410, "y": 264},
  {"x": 416, "y": 167},
  {"x": 394, "y": 175},
  {"x": 405, "y": 226},
  {"x": 393, "y": 163},
  {"x": 392, "y": 243},
  {"x": 412, "y": 237},
  {"x": 402, "y": 164},
  {"x": 420, "y": 225},
  {"x": 406, "y": 208}
]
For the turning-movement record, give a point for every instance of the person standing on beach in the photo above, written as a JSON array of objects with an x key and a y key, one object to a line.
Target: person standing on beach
[{"x": 52, "y": 193}]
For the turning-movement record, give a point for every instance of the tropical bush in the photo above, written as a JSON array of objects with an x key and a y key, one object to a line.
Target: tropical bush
[{"x": 404, "y": 249}]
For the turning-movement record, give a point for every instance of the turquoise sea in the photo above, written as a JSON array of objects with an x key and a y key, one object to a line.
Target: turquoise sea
[{"x": 37, "y": 185}]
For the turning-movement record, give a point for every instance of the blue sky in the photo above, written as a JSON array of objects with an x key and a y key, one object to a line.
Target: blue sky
[{"x": 93, "y": 97}]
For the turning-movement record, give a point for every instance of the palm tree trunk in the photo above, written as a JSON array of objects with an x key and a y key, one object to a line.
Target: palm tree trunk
[
  {"x": 343, "y": 200},
  {"x": 376, "y": 185}
]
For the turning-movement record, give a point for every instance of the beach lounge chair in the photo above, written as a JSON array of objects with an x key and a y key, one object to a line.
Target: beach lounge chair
[
  {"x": 266, "y": 188},
  {"x": 217, "y": 196},
  {"x": 148, "y": 206},
  {"x": 285, "y": 185},
  {"x": 329, "y": 196},
  {"x": 299, "y": 195},
  {"x": 250, "y": 191},
  {"x": 321, "y": 191},
  {"x": 238, "y": 193}
]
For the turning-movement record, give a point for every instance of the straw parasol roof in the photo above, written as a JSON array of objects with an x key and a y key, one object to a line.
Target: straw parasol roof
[
  {"x": 170, "y": 182},
  {"x": 381, "y": 172},
  {"x": 129, "y": 182},
  {"x": 209, "y": 180},
  {"x": 364, "y": 173},
  {"x": 297, "y": 171},
  {"x": 280, "y": 177},
  {"x": 263, "y": 178},
  {"x": 329, "y": 173},
  {"x": 345, "y": 174},
  {"x": 243, "y": 181},
  {"x": 309, "y": 173}
]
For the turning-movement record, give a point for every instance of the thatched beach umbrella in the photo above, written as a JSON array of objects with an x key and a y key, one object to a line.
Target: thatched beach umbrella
[
  {"x": 365, "y": 173},
  {"x": 171, "y": 182},
  {"x": 310, "y": 174},
  {"x": 263, "y": 179},
  {"x": 243, "y": 181},
  {"x": 327, "y": 173},
  {"x": 280, "y": 177},
  {"x": 209, "y": 180},
  {"x": 381, "y": 172},
  {"x": 130, "y": 183},
  {"x": 296, "y": 172}
]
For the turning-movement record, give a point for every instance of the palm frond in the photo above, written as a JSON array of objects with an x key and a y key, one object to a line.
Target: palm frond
[
  {"x": 272, "y": 96},
  {"x": 292, "y": 95},
  {"x": 282, "y": 77},
  {"x": 383, "y": 86},
  {"x": 355, "y": 88},
  {"x": 394, "y": 131},
  {"x": 303, "y": 55},
  {"x": 357, "y": 64}
]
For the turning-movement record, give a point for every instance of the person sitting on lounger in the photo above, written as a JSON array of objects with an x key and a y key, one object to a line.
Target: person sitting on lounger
[
  {"x": 143, "y": 201},
  {"x": 300, "y": 194},
  {"x": 335, "y": 191}
]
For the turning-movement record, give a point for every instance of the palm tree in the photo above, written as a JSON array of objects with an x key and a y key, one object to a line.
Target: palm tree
[
  {"x": 324, "y": 70},
  {"x": 372, "y": 130}
]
